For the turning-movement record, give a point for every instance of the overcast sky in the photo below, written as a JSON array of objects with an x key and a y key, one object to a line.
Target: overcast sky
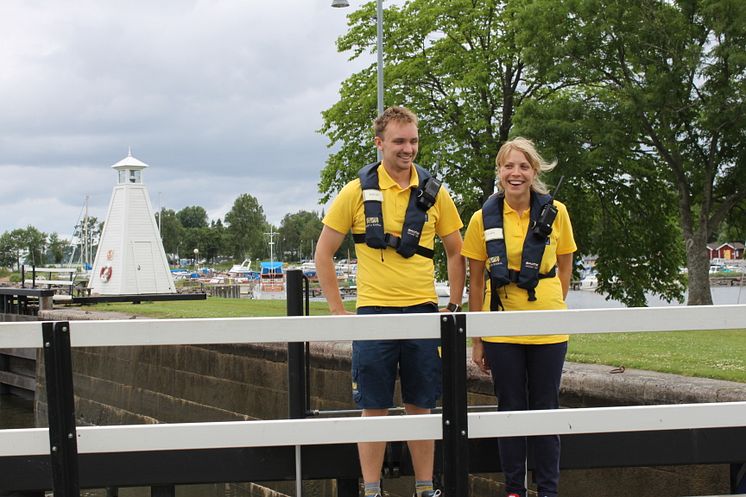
[{"x": 219, "y": 97}]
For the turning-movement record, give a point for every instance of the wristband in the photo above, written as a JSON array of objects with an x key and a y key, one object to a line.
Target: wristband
[{"x": 453, "y": 307}]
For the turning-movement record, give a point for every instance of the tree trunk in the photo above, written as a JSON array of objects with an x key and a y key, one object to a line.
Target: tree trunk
[{"x": 698, "y": 266}]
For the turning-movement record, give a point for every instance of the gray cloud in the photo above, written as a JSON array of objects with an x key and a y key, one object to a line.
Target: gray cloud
[{"x": 219, "y": 97}]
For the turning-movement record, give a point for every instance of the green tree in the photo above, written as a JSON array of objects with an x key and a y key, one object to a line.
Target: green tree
[
  {"x": 34, "y": 243},
  {"x": 172, "y": 232},
  {"x": 246, "y": 226},
  {"x": 15, "y": 246},
  {"x": 456, "y": 64},
  {"x": 8, "y": 251},
  {"x": 733, "y": 228},
  {"x": 193, "y": 216},
  {"x": 298, "y": 232},
  {"x": 665, "y": 80},
  {"x": 202, "y": 239},
  {"x": 56, "y": 248},
  {"x": 610, "y": 190},
  {"x": 217, "y": 240}
]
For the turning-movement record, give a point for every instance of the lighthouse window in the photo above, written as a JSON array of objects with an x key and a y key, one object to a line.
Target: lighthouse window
[
  {"x": 122, "y": 177},
  {"x": 134, "y": 176}
]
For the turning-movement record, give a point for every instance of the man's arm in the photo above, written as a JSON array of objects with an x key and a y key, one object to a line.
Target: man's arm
[
  {"x": 564, "y": 269},
  {"x": 476, "y": 299},
  {"x": 476, "y": 285},
  {"x": 328, "y": 244},
  {"x": 456, "y": 266}
]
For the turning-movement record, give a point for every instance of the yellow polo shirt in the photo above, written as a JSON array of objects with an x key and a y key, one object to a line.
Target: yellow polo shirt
[
  {"x": 385, "y": 278},
  {"x": 549, "y": 291}
]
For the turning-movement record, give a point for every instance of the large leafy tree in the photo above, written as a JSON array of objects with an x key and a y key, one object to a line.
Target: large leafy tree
[
  {"x": 611, "y": 189},
  {"x": 172, "y": 232},
  {"x": 56, "y": 248},
  {"x": 200, "y": 239},
  {"x": 193, "y": 216},
  {"x": 9, "y": 255},
  {"x": 34, "y": 242},
  {"x": 733, "y": 229},
  {"x": 16, "y": 242},
  {"x": 298, "y": 232},
  {"x": 663, "y": 105},
  {"x": 246, "y": 225},
  {"x": 217, "y": 240},
  {"x": 456, "y": 64}
]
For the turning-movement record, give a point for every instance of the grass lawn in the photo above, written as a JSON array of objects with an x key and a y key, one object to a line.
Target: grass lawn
[
  {"x": 713, "y": 354},
  {"x": 707, "y": 354},
  {"x": 213, "y": 307}
]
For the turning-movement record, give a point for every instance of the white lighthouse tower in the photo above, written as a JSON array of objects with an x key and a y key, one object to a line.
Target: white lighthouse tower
[{"x": 130, "y": 257}]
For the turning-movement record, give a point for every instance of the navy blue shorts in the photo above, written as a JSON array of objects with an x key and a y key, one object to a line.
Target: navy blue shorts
[{"x": 375, "y": 364}]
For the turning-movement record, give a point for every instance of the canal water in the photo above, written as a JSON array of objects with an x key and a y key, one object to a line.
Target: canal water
[{"x": 584, "y": 299}]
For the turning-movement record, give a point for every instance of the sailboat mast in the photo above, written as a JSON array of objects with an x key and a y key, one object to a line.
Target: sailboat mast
[
  {"x": 272, "y": 233},
  {"x": 86, "y": 248}
]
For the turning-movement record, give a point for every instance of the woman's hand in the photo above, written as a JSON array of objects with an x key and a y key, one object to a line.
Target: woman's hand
[{"x": 477, "y": 355}]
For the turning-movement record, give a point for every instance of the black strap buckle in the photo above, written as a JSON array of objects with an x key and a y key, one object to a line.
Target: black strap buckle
[
  {"x": 427, "y": 195},
  {"x": 392, "y": 241}
]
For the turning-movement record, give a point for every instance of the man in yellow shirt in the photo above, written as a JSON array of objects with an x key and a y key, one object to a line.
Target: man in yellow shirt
[{"x": 394, "y": 237}]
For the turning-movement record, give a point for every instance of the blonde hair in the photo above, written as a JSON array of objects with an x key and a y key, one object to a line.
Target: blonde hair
[{"x": 538, "y": 164}]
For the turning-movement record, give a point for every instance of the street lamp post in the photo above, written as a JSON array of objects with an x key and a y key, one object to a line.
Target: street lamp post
[{"x": 379, "y": 51}]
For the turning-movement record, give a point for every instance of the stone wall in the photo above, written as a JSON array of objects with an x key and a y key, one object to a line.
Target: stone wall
[{"x": 123, "y": 385}]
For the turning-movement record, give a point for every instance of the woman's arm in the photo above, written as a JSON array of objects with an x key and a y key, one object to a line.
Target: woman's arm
[
  {"x": 456, "y": 266},
  {"x": 564, "y": 270}
]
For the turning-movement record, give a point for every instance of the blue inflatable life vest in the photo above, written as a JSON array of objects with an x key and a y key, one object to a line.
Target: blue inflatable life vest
[
  {"x": 542, "y": 214},
  {"x": 420, "y": 200}
]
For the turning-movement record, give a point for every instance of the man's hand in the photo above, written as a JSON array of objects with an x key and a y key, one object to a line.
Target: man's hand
[
  {"x": 451, "y": 307},
  {"x": 329, "y": 242},
  {"x": 477, "y": 355}
]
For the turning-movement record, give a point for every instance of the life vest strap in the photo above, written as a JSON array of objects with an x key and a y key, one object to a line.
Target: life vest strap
[
  {"x": 393, "y": 241},
  {"x": 496, "y": 303},
  {"x": 514, "y": 275}
]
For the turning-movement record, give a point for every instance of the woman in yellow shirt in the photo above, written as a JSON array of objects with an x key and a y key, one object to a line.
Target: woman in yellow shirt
[{"x": 526, "y": 370}]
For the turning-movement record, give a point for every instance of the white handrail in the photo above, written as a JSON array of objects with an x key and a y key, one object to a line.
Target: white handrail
[
  {"x": 336, "y": 328},
  {"x": 287, "y": 432},
  {"x": 344, "y": 430}
]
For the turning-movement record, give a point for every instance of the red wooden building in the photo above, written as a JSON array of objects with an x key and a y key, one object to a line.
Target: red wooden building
[{"x": 728, "y": 250}]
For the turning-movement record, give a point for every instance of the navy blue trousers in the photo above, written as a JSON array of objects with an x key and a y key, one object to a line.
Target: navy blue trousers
[{"x": 527, "y": 377}]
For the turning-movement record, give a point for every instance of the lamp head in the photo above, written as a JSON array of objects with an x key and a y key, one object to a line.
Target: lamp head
[{"x": 340, "y": 3}]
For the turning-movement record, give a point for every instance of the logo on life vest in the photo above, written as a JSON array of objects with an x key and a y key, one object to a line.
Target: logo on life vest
[
  {"x": 495, "y": 260},
  {"x": 531, "y": 265},
  {"x": 372, "y": 221},
  {"x": 413, "y": 233}
]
